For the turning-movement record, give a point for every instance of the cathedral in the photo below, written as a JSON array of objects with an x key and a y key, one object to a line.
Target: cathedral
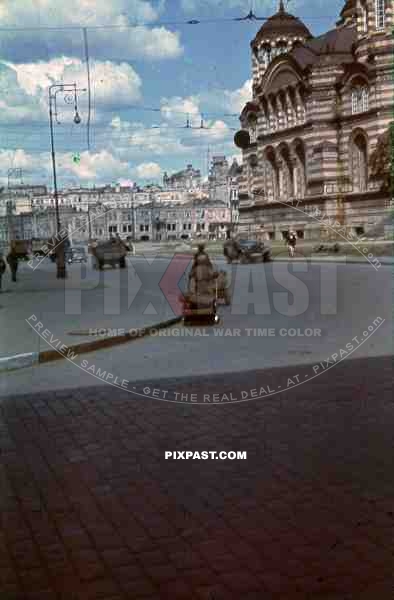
[{"x": 319, "y": 109}]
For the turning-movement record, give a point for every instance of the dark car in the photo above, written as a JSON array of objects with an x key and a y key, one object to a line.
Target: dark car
[
  {"x": 246, "y": 251},
  {"x": 250, "y": 245}
]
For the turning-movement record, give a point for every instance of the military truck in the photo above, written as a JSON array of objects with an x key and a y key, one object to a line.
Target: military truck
[
  {"x": 39, "y": 247},
  {"x": 21, "y": 249},
  {"x": 246, "y": 251},
  {"x": 112, "y": 252}
]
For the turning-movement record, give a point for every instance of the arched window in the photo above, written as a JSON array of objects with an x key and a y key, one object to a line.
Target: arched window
[
  {"x": 274, "y": 52},
  {"x": 360, "y": 99},
  {"x": 364, "y": 17},
  {"x": 264, "y": 56},
  {"x": 252, "y": 125},
  {"x": 281, "y": 48},
  {"x": 299, "y": 169},
  {"x": 360, "y": 162},
  {"x": 271, "y": 180},
  {"x": 380, "y": 14}
]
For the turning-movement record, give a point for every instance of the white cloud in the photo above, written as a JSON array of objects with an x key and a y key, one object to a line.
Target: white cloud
[
  {"x": 16, "y": 104},
  {"x": 268, "y": 6},
  {"x": 101, "y": 166},
  {"x": 169, "y": 139},
  {"x": 136, "y": 141},
  {"x": 155, "y": 43},
  {"x": 19, "y": 159},
  {"x": 76, "y": 12},
  {"x": 94, "y": 167},
  {"x": 148, "y": 170},
  {"x": 112, "y": 83},
  {"x": 235, "y": 100},
  {"x": 123, "y": 42},
  {"x": 176, "y": 109}
]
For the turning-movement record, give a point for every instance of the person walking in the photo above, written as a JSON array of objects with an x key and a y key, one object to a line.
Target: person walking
[
  {"x": 3, "y": 267},
  {"x": 12, "y": 260},
  {"x": 291, "y": 242}
]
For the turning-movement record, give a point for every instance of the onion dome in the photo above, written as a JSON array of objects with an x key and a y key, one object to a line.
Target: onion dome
[{"x": 281, "y": 25}]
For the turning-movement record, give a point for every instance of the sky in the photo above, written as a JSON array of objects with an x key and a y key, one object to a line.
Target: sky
[{"x": 142, "y": 56}]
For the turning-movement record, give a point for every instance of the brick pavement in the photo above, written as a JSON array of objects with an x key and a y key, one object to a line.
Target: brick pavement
[{"x": 91, "y": 510}]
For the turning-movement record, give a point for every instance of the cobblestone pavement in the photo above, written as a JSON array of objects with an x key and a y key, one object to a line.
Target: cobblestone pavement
[{"x": 90, "y": 508}]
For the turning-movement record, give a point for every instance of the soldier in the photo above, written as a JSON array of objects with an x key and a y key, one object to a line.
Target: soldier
[
  {"x": 12, "y": 260},
  {"x": 222, "y": 287},
  {"x": 2, "y": 268},
  {"x": 202, "y": 277}
]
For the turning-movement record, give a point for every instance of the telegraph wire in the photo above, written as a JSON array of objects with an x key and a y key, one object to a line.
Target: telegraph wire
[
  {"x": 249, "y": 17},
  {"x": 151, "y": 109}
]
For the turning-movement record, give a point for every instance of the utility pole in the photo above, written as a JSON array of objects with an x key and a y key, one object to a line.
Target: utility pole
[
  {"x": 10, "y": 222},
  {"x": 72, "y": 87},
  {"x": 89, "y": 223},
  {"x": 134, "y": 219}
]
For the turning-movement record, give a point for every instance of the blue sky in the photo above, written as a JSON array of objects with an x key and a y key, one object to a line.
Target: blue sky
[{"x": 201, "y": 70}]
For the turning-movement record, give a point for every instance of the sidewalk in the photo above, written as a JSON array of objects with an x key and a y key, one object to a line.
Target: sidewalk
[
  {"x": 382, "y": 250},
  {"x": 91, "y": 510},
  {"x": 384, "y": 260},
  {"x": 85, "y": 305}
]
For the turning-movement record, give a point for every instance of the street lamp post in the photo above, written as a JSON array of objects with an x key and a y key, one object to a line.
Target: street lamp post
[
  {"x": 134, "y": 220},
  {"x": 72, "y": 87}
]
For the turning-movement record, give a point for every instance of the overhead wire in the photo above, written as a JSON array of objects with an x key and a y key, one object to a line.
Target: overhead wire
[
  {"x": 198, "y": 21},
  {"x": 155, "y": 109},
  {"x": 127, "y": 136}
]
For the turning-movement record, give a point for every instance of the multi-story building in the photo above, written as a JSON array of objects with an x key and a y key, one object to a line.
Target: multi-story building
[
  {"x": 319, "y": 106},
  {"x": 149, "y": 222},
  {"x": 148, "y": 213},
  {"x": 188, "y": 179},
  {"x": 218, "y": 179},
  {"x": 15, "y": 214},
  {"x": 44, "y": 222}
]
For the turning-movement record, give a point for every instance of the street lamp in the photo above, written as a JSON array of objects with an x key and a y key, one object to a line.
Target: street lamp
[{"x": 72, "y": 87}]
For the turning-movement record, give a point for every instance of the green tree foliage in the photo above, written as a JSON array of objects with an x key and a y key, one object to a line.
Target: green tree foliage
[{"x": 381, "y": 161}]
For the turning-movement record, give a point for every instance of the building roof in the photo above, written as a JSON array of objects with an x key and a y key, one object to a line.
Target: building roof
[
  {"x": 336, "y": 41},
  {"x": 282, "y": 24},
  {"x": 336, "y": 44},
  {"x": 349, "y": 8}
]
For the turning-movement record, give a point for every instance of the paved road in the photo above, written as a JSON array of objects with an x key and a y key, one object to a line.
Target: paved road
[
  {"x": 88, "y": 299},
  {"x": 90, "y": 508},
  {"x": 358, "y": 297}
]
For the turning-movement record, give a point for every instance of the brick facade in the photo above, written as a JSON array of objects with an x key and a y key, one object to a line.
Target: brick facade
[{"x": 318, "y": 108}]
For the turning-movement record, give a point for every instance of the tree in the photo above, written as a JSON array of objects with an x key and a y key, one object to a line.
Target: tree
[{"x": 381, "y": 161}]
